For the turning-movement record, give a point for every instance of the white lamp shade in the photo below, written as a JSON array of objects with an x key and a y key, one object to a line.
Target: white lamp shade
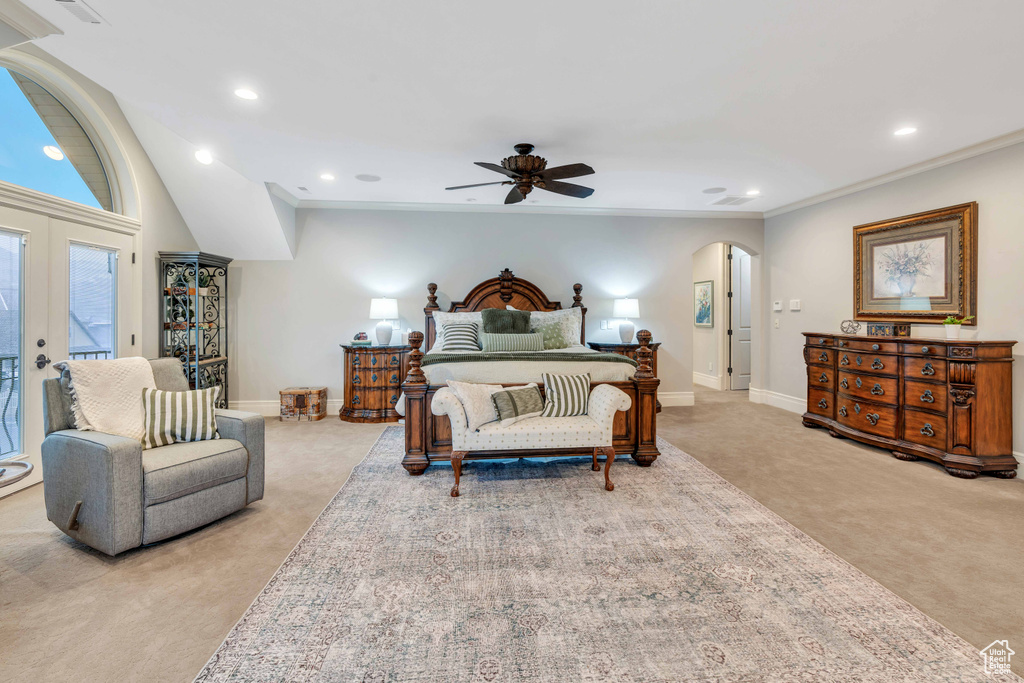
[
  {"x": 383, "y": 309},
  {"x": 626, "y": 308}
]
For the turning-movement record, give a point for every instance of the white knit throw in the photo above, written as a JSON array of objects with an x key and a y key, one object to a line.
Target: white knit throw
[{"x": 106, "y": 395}]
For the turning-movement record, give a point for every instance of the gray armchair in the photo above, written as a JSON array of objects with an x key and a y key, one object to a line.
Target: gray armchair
[{"x": 108, "y": 493}]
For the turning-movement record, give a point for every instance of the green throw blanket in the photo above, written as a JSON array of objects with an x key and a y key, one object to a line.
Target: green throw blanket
[{"x": 435, "y": 358}]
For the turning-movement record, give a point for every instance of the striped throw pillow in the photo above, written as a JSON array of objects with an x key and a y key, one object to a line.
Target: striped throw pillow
[
  {"x": 565, "y": 395},
  {"x": 460, "y": 337},
  {"x": 173, "y": 416},
  {"x": 512, "y": 342},
  {"x": 517, "y": 404}
]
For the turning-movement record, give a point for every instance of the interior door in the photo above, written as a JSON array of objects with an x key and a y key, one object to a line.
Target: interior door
[{"x": 739, "y": 340}]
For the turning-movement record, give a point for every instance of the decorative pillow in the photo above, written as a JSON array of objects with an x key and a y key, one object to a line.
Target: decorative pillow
[
  {"x": 520, "y": 403},
  {"x": 441, "y": 319},
  {"x": 565, "y": 395},
  {"x": 460, "y": 337},
  {"x": 561, "y": 329},
  {"x": 476, "y": 401},
  {"x": 512, "y": 342},
  {"x": 173, "y": 416},
  {"x": 498, "y": 321}
]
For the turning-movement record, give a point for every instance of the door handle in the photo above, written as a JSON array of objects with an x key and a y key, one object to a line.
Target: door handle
[{"x": 42, "y": 361}]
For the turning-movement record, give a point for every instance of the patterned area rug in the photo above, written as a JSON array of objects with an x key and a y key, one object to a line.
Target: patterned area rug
[{"x": 538, "y": 574}]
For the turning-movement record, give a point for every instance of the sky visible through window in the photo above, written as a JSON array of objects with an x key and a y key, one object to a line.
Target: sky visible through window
[{"x": 23, "y": 135}]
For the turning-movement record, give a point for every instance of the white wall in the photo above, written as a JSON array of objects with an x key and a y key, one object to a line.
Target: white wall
[
  {"x": 810, "y": 257},
  {"x": 288, "y": 317},
  {"x": 708, "y": 342}
]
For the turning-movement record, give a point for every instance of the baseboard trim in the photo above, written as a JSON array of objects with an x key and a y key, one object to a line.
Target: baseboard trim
[
  {"x": 710, "y": 381},
  {"x": 273, "y": 408},
  {"x": 777, "y": 400},
  {"x": 671, "y": 399}
]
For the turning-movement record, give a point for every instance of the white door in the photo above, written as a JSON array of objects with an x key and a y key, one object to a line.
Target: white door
[{"x": 739, "y": 340}]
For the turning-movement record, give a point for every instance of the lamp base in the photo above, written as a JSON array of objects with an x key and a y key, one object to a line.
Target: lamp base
[
  {"x": 626, "y": 329},
  {"x": 384, "y": 332}
]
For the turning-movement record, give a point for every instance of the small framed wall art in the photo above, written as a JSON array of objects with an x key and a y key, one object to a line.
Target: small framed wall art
[
  {"x": 704, "y": 303},
  {"x": 919, "y": 268}
]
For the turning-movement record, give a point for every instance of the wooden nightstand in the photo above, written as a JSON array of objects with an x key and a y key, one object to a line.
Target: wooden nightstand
[
  {"x": 373, "y": 382},
  {"x": 629, "y": 351}
]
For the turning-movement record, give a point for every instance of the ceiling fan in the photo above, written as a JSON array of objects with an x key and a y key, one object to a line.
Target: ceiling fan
[{"x": 527, "y": 172}]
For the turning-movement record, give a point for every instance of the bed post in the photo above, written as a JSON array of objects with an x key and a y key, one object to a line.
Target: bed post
[
  {"x": 577, "y": 302},
  {"x": 416, "y": 410},
  {"x": 646, "y": 451}
]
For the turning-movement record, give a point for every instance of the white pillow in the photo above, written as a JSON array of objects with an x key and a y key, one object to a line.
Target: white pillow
[
  {"x": 569, "y": 324},
  {"x": 440, "y": 319},
  {"x": 476, "y": 401}
]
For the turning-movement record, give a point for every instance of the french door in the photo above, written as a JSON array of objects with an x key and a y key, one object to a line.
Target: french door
[{"x": 68, "y": 291}]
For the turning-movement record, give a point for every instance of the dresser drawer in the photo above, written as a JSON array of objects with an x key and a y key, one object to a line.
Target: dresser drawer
[
  {"x": 821, "y": 378},
  {"x": 925, "y": 429},
  {"x": 867, "y": 417},
  {"x": 931, "y": 350},
  {"x": 820, "y": 341},
  {"x": 820, "y": 402},
  {"x": 924, "y": 368},
  {"x": 868, "y": 345},
  {"x": 819, "y": 355},
  {"x": 870, "y": 387},
  {"x": 924, "y": 395},
  {"x": 868, "y": 362}
]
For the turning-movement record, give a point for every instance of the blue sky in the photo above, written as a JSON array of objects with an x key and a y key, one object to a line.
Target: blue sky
[{"x": 22, "y": 138}]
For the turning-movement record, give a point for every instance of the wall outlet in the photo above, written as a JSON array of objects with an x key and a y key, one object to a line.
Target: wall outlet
[
  {"x": 776, "y": 306},
  {"x": 794, "y": 304},
  {"x": 711, "y": 367},
  {"x": 776, "y": 323}
]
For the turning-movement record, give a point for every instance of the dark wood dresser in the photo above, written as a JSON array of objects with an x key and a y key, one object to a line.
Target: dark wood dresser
[
  {"x": 945, "y": 400},
  {"x": 373, "y": 382},
  {"x": 629, "y": 351}
]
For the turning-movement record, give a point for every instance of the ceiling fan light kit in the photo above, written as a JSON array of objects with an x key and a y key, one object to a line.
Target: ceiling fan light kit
[{"x": 526, "y": 172}]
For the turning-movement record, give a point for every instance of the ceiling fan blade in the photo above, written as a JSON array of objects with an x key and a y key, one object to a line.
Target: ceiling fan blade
[
  {"x": 567, "y": 171},
  {"x": 499, "y": 169},
  {"x": 463, "y": 187},
  {"x": 567, "y": 189},
  {"x": 514, "y": 196}
]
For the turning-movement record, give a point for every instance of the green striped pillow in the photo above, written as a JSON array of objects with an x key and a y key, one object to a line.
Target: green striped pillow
[
  {"x": 493, "y": 341},
  {"x": 179, "y": 416},
  {"x": 565, "y": 395}
]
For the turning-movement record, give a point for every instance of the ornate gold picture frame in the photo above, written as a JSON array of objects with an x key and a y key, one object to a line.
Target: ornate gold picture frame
[{"x": 919, "y": 268}]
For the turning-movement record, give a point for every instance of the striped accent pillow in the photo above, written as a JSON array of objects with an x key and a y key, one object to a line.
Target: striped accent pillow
[
  {"x": 493, "y": 341},
  {"x": 173, "y": 416},
  {"x": 518, "y": 403},
  {"x": 460, "y": 337},
  {"x": 565, "y": 395}
]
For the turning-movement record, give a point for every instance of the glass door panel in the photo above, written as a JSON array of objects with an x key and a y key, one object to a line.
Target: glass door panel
[
  {"x": 12, "y": 269},
  {"x": 92, "y": 302}
]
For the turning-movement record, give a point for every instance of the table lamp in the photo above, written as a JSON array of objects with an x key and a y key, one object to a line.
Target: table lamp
[
  {"x": 384, "y": 310},
  {"x": 626, "y": 308}
]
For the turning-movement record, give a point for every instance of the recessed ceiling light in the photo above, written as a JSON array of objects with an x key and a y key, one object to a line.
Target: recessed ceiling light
[
  {"x": 368, "y": 178},
  {"x": 905, "y": 131},
  {"x": 326, "y": 176},
  {"x": 714, "y": 190},
  {"x": 53, "y": 152},
  {"x": 753, "y": 193},
  {"x": 204, "y": 156},
  {"x": 246, "y": 94}
]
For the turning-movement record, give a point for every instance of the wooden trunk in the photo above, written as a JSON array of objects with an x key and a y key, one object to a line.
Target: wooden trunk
[{"x": 303, "y": 404}]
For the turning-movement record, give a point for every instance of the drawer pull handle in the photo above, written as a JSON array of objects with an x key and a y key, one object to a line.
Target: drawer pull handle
[
  {"x": 875, "y": 347},
  {"x": 823, "y": 403},
  {"x": 925, "y": 349},
  {"x": 856, "y": 408},
  {"x": 876, "y": 364},
  {"x": 821, "y": 341},
  {"x": 842, "y": 343},
  {"x": 842, "y": 411},
  {"x": 872, "y": 418},
  {"x": 877, "y": 390},
  {"x": 823, "y": 379},
  {"x": 845, "y": 360},
  {"x": 859, "y": 383},
  {"x": 927, "y": 369},
  {"x": 927, "y": 429},
  {"x": 927, "y": 397},
  {"x": 844, "y": 384},
  {"x": 859, "y": 360},
  {"x": 823, "y": 357}
]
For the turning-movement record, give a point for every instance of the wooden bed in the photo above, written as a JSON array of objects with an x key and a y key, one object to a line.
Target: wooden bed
[{"x": 428, "y": 437}]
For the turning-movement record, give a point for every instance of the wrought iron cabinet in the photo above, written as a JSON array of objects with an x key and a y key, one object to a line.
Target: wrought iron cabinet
[
  {"x": 947, "y": 401},
  {"x": 373, "y": 382},
  {"x": 194, "y": 317}
]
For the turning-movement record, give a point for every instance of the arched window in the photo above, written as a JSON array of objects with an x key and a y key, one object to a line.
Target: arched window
[{"x": 43, "y": 146}]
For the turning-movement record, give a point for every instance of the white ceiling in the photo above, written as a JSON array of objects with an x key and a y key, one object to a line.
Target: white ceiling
[{"x": 663, "y": 99}]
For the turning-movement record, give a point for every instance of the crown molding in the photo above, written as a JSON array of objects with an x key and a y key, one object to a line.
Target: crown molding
[
  {"x": 985, "y": 147},
  {"x": 25, "y": 21},
  {"x": 24, "y": 199},
  {"x": 537, "y": 210}
]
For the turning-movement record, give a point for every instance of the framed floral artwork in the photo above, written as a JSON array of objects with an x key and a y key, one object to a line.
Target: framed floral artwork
[
  {"x": 703, "y": 303},
  {"x": 918, "y": 268}
]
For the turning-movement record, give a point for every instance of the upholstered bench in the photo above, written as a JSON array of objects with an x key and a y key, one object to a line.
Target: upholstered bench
[{"x": 541, "y": 437}]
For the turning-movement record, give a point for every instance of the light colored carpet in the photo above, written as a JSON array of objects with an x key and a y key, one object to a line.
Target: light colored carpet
[{"x": 538, "y": 574}]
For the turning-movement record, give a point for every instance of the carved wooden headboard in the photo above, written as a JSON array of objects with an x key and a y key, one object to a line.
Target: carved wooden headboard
[{"x": 498, "y": 292}]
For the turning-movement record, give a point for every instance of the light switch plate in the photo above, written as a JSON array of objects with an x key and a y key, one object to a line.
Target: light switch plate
[
  {"x": 794, "y": 304},
  {"x": 776, "y": 305},
  {"x": 604, "y": 324}
]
